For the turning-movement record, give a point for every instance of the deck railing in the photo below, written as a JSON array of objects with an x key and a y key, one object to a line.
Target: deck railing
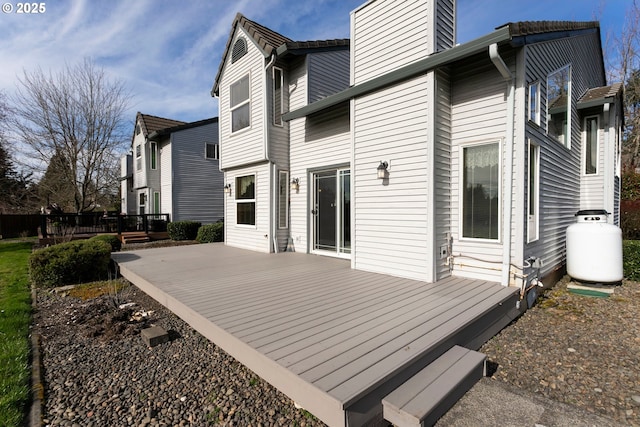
[{"x": 52, "y": 225}]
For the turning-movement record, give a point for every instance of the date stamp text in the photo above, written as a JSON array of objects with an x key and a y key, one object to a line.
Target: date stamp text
[{"x": 24, "y": 8}]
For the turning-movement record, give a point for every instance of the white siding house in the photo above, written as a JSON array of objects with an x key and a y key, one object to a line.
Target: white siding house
[{"x": 428, "y": 159}]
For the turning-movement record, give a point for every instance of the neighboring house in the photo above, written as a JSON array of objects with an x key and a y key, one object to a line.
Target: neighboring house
[
  {"x": 174, "y": 170},
  {"x": 433, "y": 159}
]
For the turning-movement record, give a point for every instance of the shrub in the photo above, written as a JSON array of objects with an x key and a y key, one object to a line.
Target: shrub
[
  {"x": 112, "y": 240},
  {"x": 209, "y": 233},
  {"x": 183, "y": 230},
  {"x": 630, "y": 219},
  {"x": 68, "y": 263},
  {"x": 631, "y": 259}
]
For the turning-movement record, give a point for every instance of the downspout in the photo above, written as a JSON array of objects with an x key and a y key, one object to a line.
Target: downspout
[
  {"x": 608, "y": 174},
  {"x": 272, "y": 166},
  {"x": 508, "y": 182}
]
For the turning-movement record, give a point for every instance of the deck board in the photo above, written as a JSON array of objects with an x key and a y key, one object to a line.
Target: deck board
[{"x": 321, "y": 332}]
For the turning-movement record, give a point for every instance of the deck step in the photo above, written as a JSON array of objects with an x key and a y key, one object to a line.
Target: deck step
[
  {"x": 426, "y": 396},
  {"x": 135, "y": 237}
]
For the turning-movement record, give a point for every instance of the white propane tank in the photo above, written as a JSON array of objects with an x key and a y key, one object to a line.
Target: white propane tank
[{"x": 594, "y": 248}]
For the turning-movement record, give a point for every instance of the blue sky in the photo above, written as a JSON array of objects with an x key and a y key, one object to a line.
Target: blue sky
[{"x": 167, "y": 52}]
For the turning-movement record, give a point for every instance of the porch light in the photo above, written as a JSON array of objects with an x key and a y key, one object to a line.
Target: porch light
[
  {"x": 295, "y": 184},
  {"x": 382, "y": 170},
  {"x": 227, "y": 189}
]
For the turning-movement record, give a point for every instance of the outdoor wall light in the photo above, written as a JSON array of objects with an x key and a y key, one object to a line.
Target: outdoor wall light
[
  {"x": 227, "y": 189},
  {"x": 295, "y": 184},
  {"x": 382, "y": 170}
]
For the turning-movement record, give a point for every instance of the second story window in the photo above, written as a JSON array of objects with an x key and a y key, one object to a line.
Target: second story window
[
  {"x": 559, "y": 106},
  {"x": 277, "y": 96},
  {"x": 153, "y": 147},
  {"x": 212, "y": 151},
  {"x": 240, "y": 104},
  {"x": 591, "y": 146},
  {"x": 138, "y": 157}
]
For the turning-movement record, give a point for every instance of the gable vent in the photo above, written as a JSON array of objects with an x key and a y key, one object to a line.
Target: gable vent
[{"x": 239, "y": 49}]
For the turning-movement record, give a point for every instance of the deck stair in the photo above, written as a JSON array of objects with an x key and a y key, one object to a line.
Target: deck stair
[
  {"x": 135, "y": 237},
  {"x": 426, "y": 396}
]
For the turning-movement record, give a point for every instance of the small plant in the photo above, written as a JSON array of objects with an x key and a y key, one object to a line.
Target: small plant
[
  {"x": 631, "y": 259},
  {"x": 183, "y": 230},
  {"x": 68, "y": 263},
  {"x": 112, "y": 240},
  {"x": 209, "y": 233}
]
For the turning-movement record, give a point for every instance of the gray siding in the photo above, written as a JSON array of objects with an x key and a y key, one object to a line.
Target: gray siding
[
  {"x": 387, "y": 35},
  {"x": 328, "y": 73},
  {"x": 197, "y": 181},
  {"x": 560, "y": 183}
]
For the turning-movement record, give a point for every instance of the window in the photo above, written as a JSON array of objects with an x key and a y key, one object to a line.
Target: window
[
  {"x": 153, "y": 147},
  {"x": 534, "y": 102},
  {"x": 239, "y": 49},
  {"x": 246, "y": 200},
  {"x": 212, "y": 151},
  {"x": 156, "y": 202},
  {"x": 142, "y": 200},
  {"x": 591, "y": 146},
  {"x": 283, "y": 199},
  {"x": 533, "y": 192},
  {"x": 481, "y": 191},
  {"x": 240, "y": 104},
  {"x": 278, "y": 95},
  {"x": 558, "y": 106},
  {"x": 138, "y": 158}
]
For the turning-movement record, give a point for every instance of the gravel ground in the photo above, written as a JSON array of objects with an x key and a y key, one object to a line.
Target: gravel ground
[
  {"x": 575, "y": 349},
  {"x": 98, "y": 372},
  {"x": 578, "y": 350}
]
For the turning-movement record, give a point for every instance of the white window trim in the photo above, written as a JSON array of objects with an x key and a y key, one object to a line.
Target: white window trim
[
  {"x": 156, "y": 196},
  {"x": 273, "y": 75},
  {"x": 238, "y": 201},
  {"x": 153, "y": 150},
  {"x": 283, "y": 176},
  {"x": 532, "y": 237},
  {"x": 536, "y": 85},
  {"x": 231, "y": 110},
  {"x": 216, "y": 151},
  {"x": 584, "y": 144},
  {"x": 461, "y": 192}
]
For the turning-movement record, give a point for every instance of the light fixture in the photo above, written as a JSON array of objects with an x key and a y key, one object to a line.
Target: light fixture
[
  {"x": 227, "y": 189},
  {"x": 295, "y": 184},
  {"x": 382, "y": 170}
]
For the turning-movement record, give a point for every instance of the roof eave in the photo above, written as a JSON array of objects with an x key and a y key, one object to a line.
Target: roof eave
[{"x": 433, "y": 61}]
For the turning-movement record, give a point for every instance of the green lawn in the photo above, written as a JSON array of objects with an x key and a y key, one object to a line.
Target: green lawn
[{"x": 15, "y": 317}]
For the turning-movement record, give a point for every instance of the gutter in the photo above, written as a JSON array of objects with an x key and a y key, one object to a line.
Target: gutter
[
  {"x": 508, "y": 183},
  {"x": 429, "y": 63}
]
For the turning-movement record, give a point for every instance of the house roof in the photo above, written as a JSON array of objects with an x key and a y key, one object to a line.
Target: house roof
[
  {"x": 150, "y": 124},
  {"x": 266, "y": 39},
  {"x": 272, "y": 43},
  {"x": 599, "y": 95},
  {"x": 513, "y": 33},
  {"x": 158, "y": 134},
  {"x": 304, "y": 47}
]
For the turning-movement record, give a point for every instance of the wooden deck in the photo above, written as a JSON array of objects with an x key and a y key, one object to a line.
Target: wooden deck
[{"x": 334, "y": 339}]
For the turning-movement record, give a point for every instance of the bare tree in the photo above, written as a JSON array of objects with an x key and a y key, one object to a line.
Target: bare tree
[
  {"x": 76, "y": 116},
  {"x": 624, "y": 66}
]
